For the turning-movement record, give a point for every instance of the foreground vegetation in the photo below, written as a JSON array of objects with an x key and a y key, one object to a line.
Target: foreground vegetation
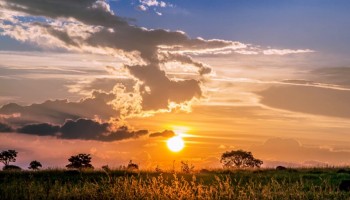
[{"x": 218, "y": 184}]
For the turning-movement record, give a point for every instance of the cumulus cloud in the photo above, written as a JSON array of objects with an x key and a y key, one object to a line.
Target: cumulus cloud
[
  {"x": 157, "y": 90},
  {"x": 86, "y": 85},
  {"x": 124, "y": 133},
  {"x": 146, "y": 4},
  {"x": 59, "y": 111},
  {"x": 91, "y": 26},
  {"x": 43, "y": 129},
  {"x": 166, "y": 134},
  {"x": 83, "y": 129},
  {"x": 142, "y": 7}
]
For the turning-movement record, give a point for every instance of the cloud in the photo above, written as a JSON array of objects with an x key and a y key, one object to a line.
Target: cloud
[
  {"x": 5, "y": 128},
  {"x": 145, "y": 5},
  {"x": 158, "y": 91},
  {"x": 90, "y": 26},
  {"x": 142, "y": 7},
  {"x": 283, "y": 52},
  {"x": 153, "y": 3},
  {"x": 44, "y": 129},
  {"x": 59, "y": 111},
  {"x": 166, "y": 134},
  {"x": 123, "y": 133},
  {"x": 85, "y": 86},
  {"x": 308, "y": 99},
  {"x": 185, "y": 59},
  {"x": 83, "y": 129},
  {"x": 332, "y": 75}
]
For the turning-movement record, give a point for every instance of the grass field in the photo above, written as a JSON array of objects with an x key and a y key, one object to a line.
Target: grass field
[{"x": 218, "y": 184}]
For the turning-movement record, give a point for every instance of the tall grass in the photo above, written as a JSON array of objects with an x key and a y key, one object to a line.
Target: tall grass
[{"x": 262, "y": 184}]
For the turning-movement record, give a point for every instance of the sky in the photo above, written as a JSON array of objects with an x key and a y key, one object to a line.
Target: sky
[{"x": 116, "y": 79}]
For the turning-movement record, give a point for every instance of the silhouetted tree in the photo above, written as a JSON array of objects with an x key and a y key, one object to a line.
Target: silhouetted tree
[
  {"x": 80, "y": 161},
  {"x": 35, "y": 165},
  {"x": 8, "y": 156},
  {"x": 132, "y": 166},
  {"x": 239, "y": 159}
]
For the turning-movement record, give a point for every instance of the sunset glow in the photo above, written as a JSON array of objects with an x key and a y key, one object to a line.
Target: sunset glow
[
  {"x": 176, "y": 144},
  {"x": 139, "y": 80}
]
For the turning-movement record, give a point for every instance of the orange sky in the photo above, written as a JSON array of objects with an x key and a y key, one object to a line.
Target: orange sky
[{"x": 107, "y": 87}]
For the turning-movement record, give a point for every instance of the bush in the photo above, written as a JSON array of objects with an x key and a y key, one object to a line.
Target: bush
[{"x": 11, "y": 168}]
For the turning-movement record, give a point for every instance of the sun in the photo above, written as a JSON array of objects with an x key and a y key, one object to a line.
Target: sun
[{"x": 175, "y": 144}]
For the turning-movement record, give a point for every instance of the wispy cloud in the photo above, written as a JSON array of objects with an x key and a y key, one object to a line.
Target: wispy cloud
[{"x": 286, "y": 51}]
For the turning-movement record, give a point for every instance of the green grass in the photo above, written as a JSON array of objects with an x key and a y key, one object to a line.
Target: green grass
[{"x": 218, "y": 184}]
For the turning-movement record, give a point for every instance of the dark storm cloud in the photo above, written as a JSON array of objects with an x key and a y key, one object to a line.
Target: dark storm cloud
[
  {"x": 59, "y": 111},
  {"x": 308, "y": 99},
  {"x": 83, "y": 129},
  {"x": 154, "y": 46},
  {"x": 123, "y": 133},
  {"x": 166, "y": 134},
  {"x": 44, "y": 129},
  {"x": 5, "y": 128}
]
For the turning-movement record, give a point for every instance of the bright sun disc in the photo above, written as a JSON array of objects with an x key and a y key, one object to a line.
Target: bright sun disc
[{"x": 175, "y": 144}]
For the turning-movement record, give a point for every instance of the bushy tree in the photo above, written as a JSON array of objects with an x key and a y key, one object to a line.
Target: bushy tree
[
  {"x": 239, "y": 159},
  {"x": 35, "y": 165},
  {"x": 8, "y": 156},
  {"x": 132, "y": 166},
  {"x": 80, "y": 161}
]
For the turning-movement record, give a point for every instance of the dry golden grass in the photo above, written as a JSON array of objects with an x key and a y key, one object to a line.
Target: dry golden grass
[{"x": 243, "y": 184}]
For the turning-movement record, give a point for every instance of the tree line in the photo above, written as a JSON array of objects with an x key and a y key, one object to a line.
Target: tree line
[{"x": 229, "y": 159}]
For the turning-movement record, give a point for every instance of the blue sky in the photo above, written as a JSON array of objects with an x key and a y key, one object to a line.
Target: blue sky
[
  {"x": 317, "y": 24},
  {"x": 322, "y": 25}
]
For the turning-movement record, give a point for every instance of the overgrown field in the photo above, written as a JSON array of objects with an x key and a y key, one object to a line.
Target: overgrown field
[{"x": 218, "y": 184}]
